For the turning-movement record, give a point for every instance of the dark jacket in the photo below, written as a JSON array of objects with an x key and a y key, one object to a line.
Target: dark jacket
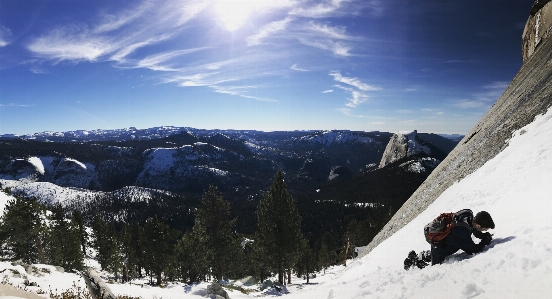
[{"x": 458, "y": 238}]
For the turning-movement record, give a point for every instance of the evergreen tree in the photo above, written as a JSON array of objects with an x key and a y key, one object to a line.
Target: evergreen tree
[
  {"x": 191, "y": 262},
  {"x": 307, "y": 261},
  {"x": 113, "y": 252},
  {"x": 131, "y": 236},
  {"x": 214, "y": 227},
  {"x": 158, "y": 241},
  {"x": 23, "y": 229},
  {"x": 279, "y": 228},
  {"x": 64, "y": 242},
  {"x": 327, "y": 256},
  {"x": 104, "y": 240},
  {"x": 77, "y": 219},
  {"x": 258, "y": 265}
]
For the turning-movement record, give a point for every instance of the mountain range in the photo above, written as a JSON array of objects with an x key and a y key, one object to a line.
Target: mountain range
[
  {"x": 324, "y": 170},
  {"x": 187, "y": 160}
]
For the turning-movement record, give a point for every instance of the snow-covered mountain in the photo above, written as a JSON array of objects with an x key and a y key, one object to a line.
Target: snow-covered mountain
[
  {"x": 402, "y": 145},
  {"x": 188, "y": 160},
  {"x": 131, "y": 133}
]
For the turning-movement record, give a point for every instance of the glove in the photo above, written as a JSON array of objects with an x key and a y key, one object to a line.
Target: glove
[
  {"x": 486, "y": 240},
  {"x": 488, "y": 235}
]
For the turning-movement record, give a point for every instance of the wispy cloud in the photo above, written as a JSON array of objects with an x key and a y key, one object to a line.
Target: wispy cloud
[
  {"x": 498, "y": 85},
  {"x": 110, "y": 22},
  {"x": 459, "y": 61},
  {"x": 338, "y": 48},
  {"x": 355, "y": 82},
  {"x": 66, "y": 44},
  {"x": 154, "y": 62},
  {"x": 319, "y": 10},
  {"x": 5, "y": 33},
  {"x": 179, "y": 12},
  {"x": 16, "y": 105},
  {"x": 296, "y": 68},
  {"x": 467, "y": 103},
  {"x": 122, "y": 53},
  {"x": 193, "y": 80},
  {"x": 355, "y": 86},
  {"x": 145, "y": 36},
  {"x": 240, "y": 91},
  {"x": 331, "y": 32},
  {"x": 356, "y": 99},
  {"x": 120, "y": 33},
  {"x": 348, "y": 112},
  {"x": 328, "y": 91},
  {"x": 37, "y": 70},
  {"x": 266, "y": 31},
  {"x": 433, "y": 111},
  {"x": 485, "y": 98}
]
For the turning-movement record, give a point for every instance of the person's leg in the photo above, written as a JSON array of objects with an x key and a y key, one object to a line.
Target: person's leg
[{"x": 437, "y": 256}]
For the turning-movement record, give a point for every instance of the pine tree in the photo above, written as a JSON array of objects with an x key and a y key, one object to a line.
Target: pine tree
[
  {"x": 158, "y": 241},
  {"x": 23, "y": 229},
  {"x": 77, "y": 219},
  {"x": 104, "y": 240},
  {"x": 113, "y": 253},
  {"x": 131, "y": 236},
  {"x": 213, "y": 224},
  {"x": 64, "y": 242},
  {"x": 191, "y": 262},
  {"x": 307, "y": 261},
  {"x": 279, "y": 227},
  {"x": 327, "y": 255}
]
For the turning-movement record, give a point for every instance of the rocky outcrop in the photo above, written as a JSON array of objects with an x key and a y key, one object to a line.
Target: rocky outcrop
[
  {"x": 537, "y": 28},
  {"x": 215, "y": 290},
  {"x": 402, "y": 145},
  {"x": 73, "y": 173},
  {"x": 528, "y": 95},
  {"x": 97, "y": 286},
  {"x": 339, "y": 172},
  {"x": 64, "y": 172}
]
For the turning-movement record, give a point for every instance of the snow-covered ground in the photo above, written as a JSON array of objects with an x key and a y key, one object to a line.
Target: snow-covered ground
[{"x": 514, "y": 187}]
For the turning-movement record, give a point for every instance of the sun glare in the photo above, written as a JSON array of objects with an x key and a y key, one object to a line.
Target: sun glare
[{"x": 232, "y": 14}]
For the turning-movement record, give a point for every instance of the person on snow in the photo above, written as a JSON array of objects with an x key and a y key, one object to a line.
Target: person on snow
[{"x": 460, "y": 235}]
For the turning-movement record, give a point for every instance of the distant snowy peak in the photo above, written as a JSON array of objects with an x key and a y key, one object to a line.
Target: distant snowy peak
[
  {"x": 420, "y": 165},
  {"x": 328, "y": 138},
  {"x": 403, "y": 144},
  {"x": 414, "y": 147},
  {"x": 131, "y": 133}
]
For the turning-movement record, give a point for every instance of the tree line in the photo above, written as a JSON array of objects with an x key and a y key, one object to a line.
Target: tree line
[{"x": 211, "y": 249}]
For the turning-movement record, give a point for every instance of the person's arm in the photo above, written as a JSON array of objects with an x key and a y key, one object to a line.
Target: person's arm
[
  {"x": 478, "y": 234},
  {"x": 464, "y": 240}
]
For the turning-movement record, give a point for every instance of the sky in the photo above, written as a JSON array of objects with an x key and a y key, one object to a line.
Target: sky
[
  {"x": 514, "y": 187},
  {"x": 367, "y": 65}
]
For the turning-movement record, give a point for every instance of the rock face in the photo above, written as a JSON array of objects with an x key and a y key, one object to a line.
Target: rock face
[
  {"x": 64, "y": 172},
  {"x": 537, "y": 28},
  {"x": 402, "y": 145},
  {"x": 528, "y": 95}
]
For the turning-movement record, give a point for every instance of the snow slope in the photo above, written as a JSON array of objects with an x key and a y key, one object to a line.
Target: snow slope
[{"x": 514, "y": 187}]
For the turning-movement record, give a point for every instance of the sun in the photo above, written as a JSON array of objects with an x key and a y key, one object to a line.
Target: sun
[{"x": 232, "y": 14}]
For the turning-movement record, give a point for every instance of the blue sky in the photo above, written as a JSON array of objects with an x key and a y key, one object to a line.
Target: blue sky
[{"x": 369, "y": 65}]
